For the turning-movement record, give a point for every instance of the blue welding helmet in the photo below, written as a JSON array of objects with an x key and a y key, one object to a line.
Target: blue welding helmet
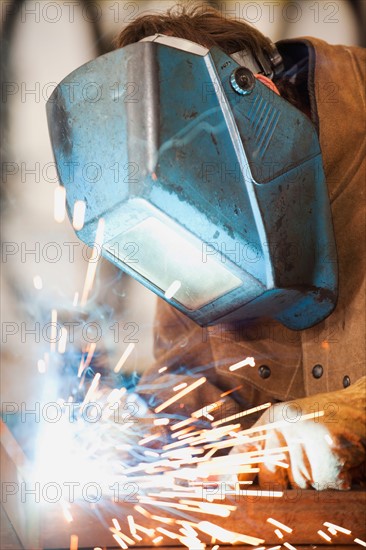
[{"x": 211, "y": 186}]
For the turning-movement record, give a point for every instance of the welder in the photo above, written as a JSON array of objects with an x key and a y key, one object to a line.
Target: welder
[{"x": 243, "y": 196}]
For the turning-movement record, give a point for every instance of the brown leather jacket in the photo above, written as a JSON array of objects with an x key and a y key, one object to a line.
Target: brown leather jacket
[{"x": 289, "y": 364}]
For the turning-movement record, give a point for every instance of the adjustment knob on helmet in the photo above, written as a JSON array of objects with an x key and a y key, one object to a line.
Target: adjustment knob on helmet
[{"x": 242, "y": 80}]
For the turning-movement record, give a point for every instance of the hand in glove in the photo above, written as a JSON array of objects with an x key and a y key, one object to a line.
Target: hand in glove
[{"x": 322, "y": 452}]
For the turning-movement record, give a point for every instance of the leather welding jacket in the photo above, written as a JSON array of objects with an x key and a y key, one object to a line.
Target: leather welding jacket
[{"x": 288, "y": 364}]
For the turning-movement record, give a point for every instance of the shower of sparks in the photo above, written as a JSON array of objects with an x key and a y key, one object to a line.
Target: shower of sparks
[
  {"x": 93, "y": 261},
  {"x": 37, "y": 282},
  {"x": 173, "y": 289},
  {"x": 59, "y": 203},
  {"x": 174, "y": 480},
  {"x": 248, "y": 361},
  {"x": 124, "y": 357},
  {"x": 78, "y": 217}
]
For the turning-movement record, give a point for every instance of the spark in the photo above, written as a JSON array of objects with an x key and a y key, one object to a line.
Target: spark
[
  {"x": 280, "y": 525},
  {"x": 74, "y": 542},
  {"x": 324, "y": 535},
  {"x": 360, "y": 542},
  {"x": 124, "y": 357},
  {"x": 180, "y": 386},
  {"x": 41, "y": 364},
  {"x": 121, "y": 535},
  {"x": 289, "y": 546},
  {"x": 37, "y": 282},
  {"x": 247, "y": 361},
  {"x": 180, "y": 394},
  {"x": 162, "y": 369},
  {"x": 59, "y": 202},
  {"x": 158, "y": 539},
  {"x": 328, "y": 439},
  {"x": 280, "y": 423},
  {"x": 231, "y": 391},
  {"x": 142, "y": 511},
  {"x": 83, "y": 366},
  {"x": 279, "y": 533},
  {"x": 167, "y": 533},
  {"x": 226, "y": 536},
  {"x": 53, "y": 337},
  {"x": 120, "y": 542},
  {"x": 62, "y": 341},
  {"x": 161, "y": 421},
  {"x": 67, "y": 514},
  {"x": 149, "y": 438},
  {"x": 149, "y": 532},
  {"x": 275, "y": 548},
  {"x": 116, "y": 524},
  {"x": 91, "y": 390},
  {"x": 182, "y": 432},
  {"x": 163, "y": 520},
  {"x": 337, "y": 528},
  {"x": 243, "y": 413},
  {"x": 182, "y": 423},
  {"x": 76, "y": 299},
  {"x": 78, "y": 217},
  {"x": 216, "y": 547},
  {"x": 93, "y": 261},
  {"x": 173, "y": 289}
]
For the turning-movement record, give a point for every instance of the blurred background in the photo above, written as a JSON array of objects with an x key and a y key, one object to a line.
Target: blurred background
[{"x": 43, "y": 264}]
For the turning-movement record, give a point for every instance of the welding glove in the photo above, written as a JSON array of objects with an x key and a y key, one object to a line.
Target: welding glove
[{"x": 325, "y": 452}]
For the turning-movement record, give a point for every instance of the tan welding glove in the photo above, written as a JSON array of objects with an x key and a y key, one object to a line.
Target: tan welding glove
[{"x": 325, "y": 452}]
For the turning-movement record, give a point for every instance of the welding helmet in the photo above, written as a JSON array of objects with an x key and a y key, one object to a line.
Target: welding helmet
[{"x": 211, "y": 186}]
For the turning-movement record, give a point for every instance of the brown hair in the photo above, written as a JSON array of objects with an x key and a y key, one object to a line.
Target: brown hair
[
  {"x": 199, "y": 23},
  {"x": 207, "y": 26}
]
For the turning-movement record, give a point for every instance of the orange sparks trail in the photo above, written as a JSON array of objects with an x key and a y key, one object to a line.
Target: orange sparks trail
[
  {"x": 181, "y": 394},
  {"x": 93, "y": 262}
]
